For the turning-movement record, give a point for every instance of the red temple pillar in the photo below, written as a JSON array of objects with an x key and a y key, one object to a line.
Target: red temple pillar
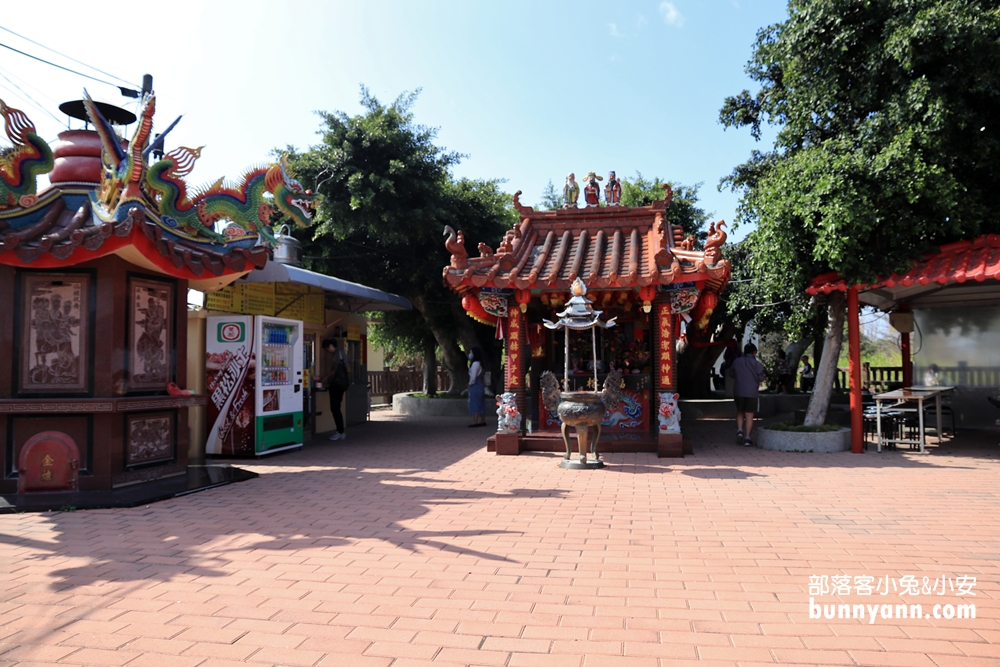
[
  {"x": 669, "y": 443},
  {"x": 516, "y": 345},
  {"x": 854, "y": 355}
]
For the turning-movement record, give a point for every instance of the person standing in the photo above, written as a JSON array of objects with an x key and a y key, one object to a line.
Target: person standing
[
  {"x": 477, "y": 388},
  {"x": 784, "y": 373},
  {"x": 748, "y": 373},
  {"x": 336, "y": 382},
  {"x": 807, "y": 374}
]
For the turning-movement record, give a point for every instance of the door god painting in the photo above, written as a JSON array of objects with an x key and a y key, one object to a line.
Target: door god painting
[
  {"x": 54, "y": 329},
  {"x": 150, "y": 349}
]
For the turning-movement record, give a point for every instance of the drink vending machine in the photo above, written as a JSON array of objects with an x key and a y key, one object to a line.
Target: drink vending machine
[{"x": 254, "y": 384}]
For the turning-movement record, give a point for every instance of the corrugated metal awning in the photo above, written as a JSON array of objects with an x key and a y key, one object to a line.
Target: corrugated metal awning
[{"x": 351, "y": 297}]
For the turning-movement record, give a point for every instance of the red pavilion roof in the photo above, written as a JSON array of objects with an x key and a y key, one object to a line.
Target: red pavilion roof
[{"x": 957, "y": 262}]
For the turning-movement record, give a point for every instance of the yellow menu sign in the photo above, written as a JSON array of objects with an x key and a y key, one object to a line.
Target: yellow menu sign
[
  {"x": 222, "y": 299},
  {"x": 258, "y": 298},
  {"x": 289, "y": 300}
]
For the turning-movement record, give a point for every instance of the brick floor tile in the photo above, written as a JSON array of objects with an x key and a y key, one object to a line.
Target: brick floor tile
[
  {"x": 226, "y": 635},
  {"x": 544, "y": 660},
  {"x": 619, "y": 661},
  {"x": 344, "y": 659},
  {"x": 93, "y": 656},
  {"x": 38, "y": 652},
  {"x": 221, "y": 651},
  {"x": 472, "y": 657},
  {"x": 879, "y": 659},
  {"x": 374, "y": 634},
  {"x": 159, "y": 660},
  {"x": 812, "y": 656},
  {"x": 411, "y": 527},
  {"x": 965, "y": 661},
  {"x": 389, "y": 649}
]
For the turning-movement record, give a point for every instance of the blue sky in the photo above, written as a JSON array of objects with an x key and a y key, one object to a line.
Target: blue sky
[{"x": 528, "y": 90}]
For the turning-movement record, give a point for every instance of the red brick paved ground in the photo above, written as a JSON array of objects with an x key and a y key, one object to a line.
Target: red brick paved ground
[{"x": 409, "y": 545}]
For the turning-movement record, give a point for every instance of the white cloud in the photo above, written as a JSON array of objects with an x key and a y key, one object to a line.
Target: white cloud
[
  {"x": 613, "y": 29},
  {"x": 670, "y": 14}
]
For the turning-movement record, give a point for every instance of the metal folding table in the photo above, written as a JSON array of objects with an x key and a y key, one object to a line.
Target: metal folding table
[{"x": 898, "y": 400}]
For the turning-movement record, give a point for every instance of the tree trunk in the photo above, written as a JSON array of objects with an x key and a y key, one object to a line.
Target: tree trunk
[
  {"x": 430, "y": 368},
  {"x": 454, "y": 362},
  {"x": 794, "y": 353},
  {"x": 818, "y": 338},
  {"x": 826, "y": 371}
]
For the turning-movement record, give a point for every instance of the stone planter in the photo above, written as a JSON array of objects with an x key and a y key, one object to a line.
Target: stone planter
[
  {"x": 406, "y": 404},
  {"x": 792, "y": 441}
]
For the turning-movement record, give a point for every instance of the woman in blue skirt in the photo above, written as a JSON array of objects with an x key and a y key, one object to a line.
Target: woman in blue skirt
[{"x": 477, "y": 386}]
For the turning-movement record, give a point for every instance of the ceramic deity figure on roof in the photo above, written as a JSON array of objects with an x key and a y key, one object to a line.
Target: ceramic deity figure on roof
[
  {"x": 591, "y": 192},
  {"x": 613, "y": 190},
  {"x": 571, "y": 192}
]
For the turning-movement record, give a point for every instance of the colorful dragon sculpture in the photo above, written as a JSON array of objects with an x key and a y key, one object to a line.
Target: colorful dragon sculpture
[
  {"x": 21, "y": 164},
  {"x": 248, "y": 204}
]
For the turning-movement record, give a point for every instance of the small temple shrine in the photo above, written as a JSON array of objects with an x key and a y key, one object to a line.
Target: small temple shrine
[
  {"x": 638, "y": 268},
  {"x": 94, "y": 275}
]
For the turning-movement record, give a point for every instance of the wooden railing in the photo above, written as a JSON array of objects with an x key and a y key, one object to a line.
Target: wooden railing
[
  {"x": 875, "y": 379},
  {"x": 387, "y": 383}
]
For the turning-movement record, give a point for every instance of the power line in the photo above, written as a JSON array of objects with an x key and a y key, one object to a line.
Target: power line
[
  {"x": 33, "y": 100},
  {"x": 65, "y": 56},
  {"x": 130, "y": 93},
  {"x": 28, "y": 84}
]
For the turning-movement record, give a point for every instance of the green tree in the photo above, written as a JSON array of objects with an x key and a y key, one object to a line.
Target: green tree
[
  {"x": 551, "y": 199},
  {"x": 684, "y": 209},
  {"x": 387, "y": 195},
  {"x": 886, "y": 145}
]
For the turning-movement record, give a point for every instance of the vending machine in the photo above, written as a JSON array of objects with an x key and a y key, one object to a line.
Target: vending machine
[{"x": 254, "y": 384}]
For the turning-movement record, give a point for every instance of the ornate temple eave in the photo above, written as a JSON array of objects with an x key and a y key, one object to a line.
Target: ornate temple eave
[{"x": 62, "y": 229}]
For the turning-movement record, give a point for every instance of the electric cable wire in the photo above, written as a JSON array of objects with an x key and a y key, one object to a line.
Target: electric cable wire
[
  {"x": 79, "y": 62},
  {"x": 72, "y": 71},
  {"x": 27, "y": 84},
  {"x": 33, "y": 100}
]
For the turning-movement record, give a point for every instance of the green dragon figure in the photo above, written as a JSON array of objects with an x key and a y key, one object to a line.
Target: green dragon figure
[
  {"x": 249, "y": 204},
  {"x": 21, "y": 164}
]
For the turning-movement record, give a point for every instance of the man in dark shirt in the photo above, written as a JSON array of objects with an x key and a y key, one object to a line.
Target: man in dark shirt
[{"x": 747, "y": 373}]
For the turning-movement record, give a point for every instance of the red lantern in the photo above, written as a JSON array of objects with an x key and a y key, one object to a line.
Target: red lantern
[
  {"x": 647, "y": 294},
  {"x": 522, "y": 296}
]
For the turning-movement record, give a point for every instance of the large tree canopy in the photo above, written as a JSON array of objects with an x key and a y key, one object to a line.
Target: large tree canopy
[
  {"x": 887, "y": 142},
  {"x": 387, "y": 195}
]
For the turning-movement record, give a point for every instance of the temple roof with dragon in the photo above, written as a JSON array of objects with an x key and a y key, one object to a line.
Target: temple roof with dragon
[
  {"x": 109, "y": 195},
  {"x": 612, "y": 247}
]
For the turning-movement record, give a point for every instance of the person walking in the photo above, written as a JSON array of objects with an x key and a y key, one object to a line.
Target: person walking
[
  {"x": 747, "y": 373},
  {"x": 477, "y": 388},
  {"x": 336, "y": 382}
]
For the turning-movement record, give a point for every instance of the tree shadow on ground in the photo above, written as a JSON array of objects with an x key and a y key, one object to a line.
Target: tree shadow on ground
[{"x": 328, "y": 496}]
